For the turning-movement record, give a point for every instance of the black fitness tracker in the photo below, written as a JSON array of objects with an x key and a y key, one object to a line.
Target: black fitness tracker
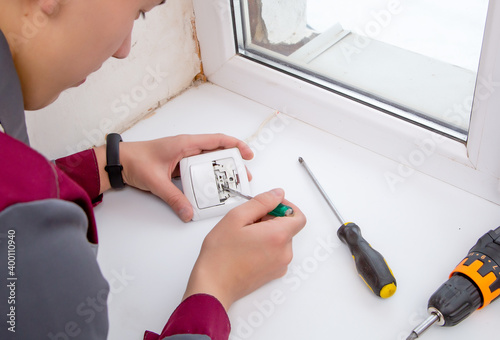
[{"x": 113, "y": 166}]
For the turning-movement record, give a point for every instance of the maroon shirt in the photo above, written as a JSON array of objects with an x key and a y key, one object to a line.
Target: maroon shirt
[{"x": 27, "y": 176}]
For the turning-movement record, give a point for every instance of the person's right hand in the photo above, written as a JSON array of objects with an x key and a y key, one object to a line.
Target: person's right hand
[{"x": 246, "y": 249}]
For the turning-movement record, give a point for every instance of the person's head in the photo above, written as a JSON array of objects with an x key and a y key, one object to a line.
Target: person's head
[{"x": 56, "y": 44}]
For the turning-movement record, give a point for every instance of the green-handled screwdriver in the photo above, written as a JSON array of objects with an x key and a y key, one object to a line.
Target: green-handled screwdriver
[
  {"x": 280, "y": 211},
  {"x": 371, "y": 266}
]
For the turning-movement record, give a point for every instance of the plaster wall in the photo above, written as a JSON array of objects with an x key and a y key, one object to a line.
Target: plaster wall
[{"x": 163, "y": 62}]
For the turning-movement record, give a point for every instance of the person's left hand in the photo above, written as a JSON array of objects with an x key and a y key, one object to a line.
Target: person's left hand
[{"x": 151, "y": 165}]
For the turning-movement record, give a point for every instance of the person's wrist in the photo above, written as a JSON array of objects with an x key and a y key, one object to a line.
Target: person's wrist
[
  {"x": 202, "y": 284},
  {"x": 126, "y": 161},
  {"x": 100, "y": 154}
]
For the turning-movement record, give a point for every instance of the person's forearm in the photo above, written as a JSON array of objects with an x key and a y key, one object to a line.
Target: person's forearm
[
  {"x": 82, "y": 167},
  {"x": 100, "y": 154}
]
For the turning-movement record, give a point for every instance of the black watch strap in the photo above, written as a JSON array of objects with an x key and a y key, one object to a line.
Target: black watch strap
[{"x": 113, "y": 166}]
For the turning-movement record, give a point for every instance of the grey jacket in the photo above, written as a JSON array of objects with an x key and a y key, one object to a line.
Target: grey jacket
[{"x": 52, "y": 286}]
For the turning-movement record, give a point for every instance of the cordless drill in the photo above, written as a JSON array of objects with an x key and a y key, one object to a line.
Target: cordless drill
[{"x": 473, "y": 284}]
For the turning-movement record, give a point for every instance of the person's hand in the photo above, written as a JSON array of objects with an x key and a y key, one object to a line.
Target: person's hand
[
  {"x": 151, "y": 165},
  {"x": 246, "y": 249}
]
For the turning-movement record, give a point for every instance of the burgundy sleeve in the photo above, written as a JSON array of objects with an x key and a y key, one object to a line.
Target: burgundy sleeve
[
  {"x": 198, "y": 314},
  {"x": 82, "y": 168}
]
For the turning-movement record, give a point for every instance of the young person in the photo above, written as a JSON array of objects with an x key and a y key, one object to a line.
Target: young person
[{"x": 48, "y": 235}]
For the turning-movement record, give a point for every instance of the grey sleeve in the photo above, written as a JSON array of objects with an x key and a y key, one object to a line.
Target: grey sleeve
[{"x": 52, "y": 287}]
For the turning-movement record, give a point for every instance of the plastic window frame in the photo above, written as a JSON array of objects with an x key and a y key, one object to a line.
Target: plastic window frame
[{"x": 473, "y": 166}]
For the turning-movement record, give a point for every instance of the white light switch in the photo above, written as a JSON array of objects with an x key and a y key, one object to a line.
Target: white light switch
[{"x": 204, "y": 175}]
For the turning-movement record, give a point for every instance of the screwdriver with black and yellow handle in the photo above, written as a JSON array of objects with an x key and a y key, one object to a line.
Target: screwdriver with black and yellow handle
[
  {"x": 473, "y": 284},
  {"x": 370, "y": 264}
]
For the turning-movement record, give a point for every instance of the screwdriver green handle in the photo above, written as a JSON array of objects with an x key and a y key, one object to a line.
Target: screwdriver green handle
[
  {"x": 370, "y": 264},
  {"x": 281, "y": 210}
]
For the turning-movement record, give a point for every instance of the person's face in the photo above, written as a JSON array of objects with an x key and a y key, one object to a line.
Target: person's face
[{"x": 75, "y": 41}]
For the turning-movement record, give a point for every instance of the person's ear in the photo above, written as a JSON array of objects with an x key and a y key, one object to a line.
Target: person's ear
[{"x": 49, "y": 7}]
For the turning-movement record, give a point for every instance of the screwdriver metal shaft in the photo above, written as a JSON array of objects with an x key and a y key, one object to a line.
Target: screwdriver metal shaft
[
  {"x": 370, "y": 264},
  {"x": 330, "y": 203},
  {"x": 280, "y": 210},
  {"x": 235, "y": 192}
]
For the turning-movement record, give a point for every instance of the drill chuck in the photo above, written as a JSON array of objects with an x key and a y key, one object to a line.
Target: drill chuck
[
  {"x": 455, "y": 300},
  {"x": 472, "y": 285},
  {"x": 481, "y": 266}
]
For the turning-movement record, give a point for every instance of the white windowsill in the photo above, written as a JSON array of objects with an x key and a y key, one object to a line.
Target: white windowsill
[{"x": 147, "y": 253}]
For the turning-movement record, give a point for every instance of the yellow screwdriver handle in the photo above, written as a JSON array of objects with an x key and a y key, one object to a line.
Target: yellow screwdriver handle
[{"x": 370, "y": 264}]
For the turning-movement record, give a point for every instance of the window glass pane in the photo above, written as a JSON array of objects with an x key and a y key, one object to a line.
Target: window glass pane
[{"x": 414, "y": 59}]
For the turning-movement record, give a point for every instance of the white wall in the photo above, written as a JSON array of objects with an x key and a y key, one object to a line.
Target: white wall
[{"x": 163, "y": 62}]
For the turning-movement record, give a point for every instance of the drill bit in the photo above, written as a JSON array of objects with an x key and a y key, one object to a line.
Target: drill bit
[
  {"x": 433, "y": 318},
  {"x": 412, "y": 336}
]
